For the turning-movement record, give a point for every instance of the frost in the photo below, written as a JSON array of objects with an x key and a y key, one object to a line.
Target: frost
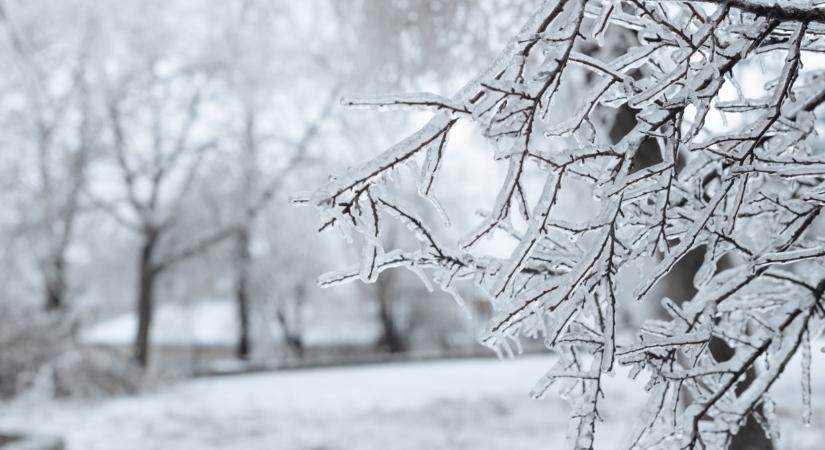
[
  {"x": 806, "y": 379},
  {"x": 425, "y": 101},
  {"x": 745, "y": 192}
]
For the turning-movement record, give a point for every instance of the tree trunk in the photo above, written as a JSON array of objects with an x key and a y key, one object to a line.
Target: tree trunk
[
  {"x": 242, "y": 292},
  {"x": 243, "y": 256},
  {"x": 147, "y": 275},
  {"x": 55, "y": 271},
  {"x": 392, "y": 339},
  {"x": 296, "y": 345},
  {"x": 55, "y": 281},
  {"x": 292, "y": 323}
]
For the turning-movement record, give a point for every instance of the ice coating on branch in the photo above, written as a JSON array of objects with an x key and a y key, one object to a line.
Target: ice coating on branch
[
  {"x": 669, "y": 188},
  {"x": 806, "y": 379},
  {"x": 422, "y": 100}
]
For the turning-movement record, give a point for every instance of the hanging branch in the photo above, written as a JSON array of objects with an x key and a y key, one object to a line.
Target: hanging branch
[{"x": 750, "y": 192}]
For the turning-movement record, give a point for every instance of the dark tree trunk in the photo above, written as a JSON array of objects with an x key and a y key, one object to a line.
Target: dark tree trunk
[
  {"x": 54, "y": 298},
  {"x": 392, "y": 339},
  {"x": 243, "y": 256},
  {"x": 292, "y": 324},
  {"x": 55, "y": 272},
  {"x": 295, "y": 345},
  {"x": 55, "y": 275},
  {"x": 242, "y": 293},
  {"x": 147, "y": 275}
]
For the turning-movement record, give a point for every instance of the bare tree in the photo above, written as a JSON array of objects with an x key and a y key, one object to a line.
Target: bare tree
[
  {"x": 256, "y": 196},
  {"x": 250, "y": 65},
  {"x": 748, "y": 189},
  {"x": 156, "y": 183},
  {"x": 62, "y": 144}
]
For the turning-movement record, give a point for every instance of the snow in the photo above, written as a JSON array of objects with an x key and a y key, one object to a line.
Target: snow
[
  {"x": 479, "y": 404},
  {"x": 427, "y": 405}
]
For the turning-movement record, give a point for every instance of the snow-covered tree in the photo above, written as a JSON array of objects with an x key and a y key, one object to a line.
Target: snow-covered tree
[
  {"x": 728, "y": 94},
  {"x": 52, "y": 119},
  {"x": 160, "y": 108},
  {"x": 261, "y": 87}
]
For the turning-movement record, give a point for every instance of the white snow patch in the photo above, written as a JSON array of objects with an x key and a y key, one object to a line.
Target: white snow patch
[{"x": 475, "y": 404}]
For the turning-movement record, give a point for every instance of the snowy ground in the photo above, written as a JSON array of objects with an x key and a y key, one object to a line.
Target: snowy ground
[{"x": 470, "y": 404}]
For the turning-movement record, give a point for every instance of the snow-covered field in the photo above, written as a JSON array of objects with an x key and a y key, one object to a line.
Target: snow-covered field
[{"x": 479, "y": 404}]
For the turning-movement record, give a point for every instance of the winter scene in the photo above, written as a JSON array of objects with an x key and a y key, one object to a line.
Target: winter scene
[{"x": 412, "y": 224}]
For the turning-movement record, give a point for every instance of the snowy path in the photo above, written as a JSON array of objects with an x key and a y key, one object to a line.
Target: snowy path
[{"x": 469, "y": 404}]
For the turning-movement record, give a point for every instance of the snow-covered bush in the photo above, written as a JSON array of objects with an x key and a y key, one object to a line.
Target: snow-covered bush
[
  {"x": 29, "y": 339},
  {"x": 93, "y": 373},
  {"x": 40, "y": 356},
  {"x": 728, "y": 93}
]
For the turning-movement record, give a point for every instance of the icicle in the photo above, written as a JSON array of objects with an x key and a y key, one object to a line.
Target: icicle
[
  {"x": 602, "y": 22},
  {"x": 771, "y": 425},
  {"x": 706, "y": 270},
  {"x": 517, "y": 342},
  {"x": 459, "y": 300},
  {"x": 539, "y": 315},
  {"x": 497, "y": 348},
  {"x": 608, "y": 354},
  {"x": 422, "y": 276},
  {"x": 369, "y": 263},
  {"x": 429, "y": 169},
  {"x": 439, "y": 208},
  {"x": 806, "y": 379},
  {"x": 412, "y": 167}
]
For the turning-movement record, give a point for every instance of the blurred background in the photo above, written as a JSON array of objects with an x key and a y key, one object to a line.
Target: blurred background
[
  {"x": 151, "y": 148},
  {"x": 158, "y": 290}
]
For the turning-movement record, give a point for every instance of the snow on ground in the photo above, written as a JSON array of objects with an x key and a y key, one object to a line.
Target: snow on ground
[{"x": 478, "y": 404}]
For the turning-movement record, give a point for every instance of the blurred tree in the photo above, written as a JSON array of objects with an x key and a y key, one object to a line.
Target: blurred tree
[
  {"x": 250, "y": 47},
  {"x": 56, "y": 122},
  {"x": 160, "y": 117},
  {"x": 424, "y": 43}
]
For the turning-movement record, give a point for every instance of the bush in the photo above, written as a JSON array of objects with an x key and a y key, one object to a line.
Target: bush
[
  {"x": 29, "y": 339},
  {"x": 38, "y": 352}
]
